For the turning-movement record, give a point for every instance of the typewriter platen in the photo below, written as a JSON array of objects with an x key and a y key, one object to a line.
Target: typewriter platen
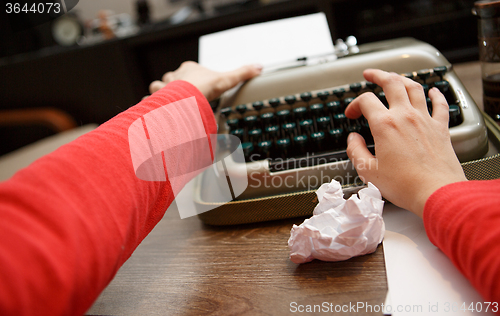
[{"x": 293, "y": 130}]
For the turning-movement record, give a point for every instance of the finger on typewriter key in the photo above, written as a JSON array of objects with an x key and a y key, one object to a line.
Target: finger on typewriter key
[
  {"x": 225, "y": 112},
  {"x": 440, "y": 71},
  {"x": 306, "y": 96},
  {"x": 274, "y": 102},
  {"x": 323, "y": 95},
  {"x": 334, "y": 107},
  {"x": 290, "y": 99},
  {"x": 233, "y": 123},
  {"x": 258, "y": 105},
  {"x": 241, "y": 108}
]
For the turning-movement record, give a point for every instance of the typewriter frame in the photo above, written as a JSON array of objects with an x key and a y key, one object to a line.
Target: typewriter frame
[{"x": 400, "y": 56}]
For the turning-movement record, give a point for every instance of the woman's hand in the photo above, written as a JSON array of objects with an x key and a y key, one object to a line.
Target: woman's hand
[
  {"x": 211, "y": 83},
  {"x": 414, "y": 155}
]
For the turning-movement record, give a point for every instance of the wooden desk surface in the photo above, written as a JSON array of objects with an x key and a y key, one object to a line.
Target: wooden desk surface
[{"x": 186, "y": 268}]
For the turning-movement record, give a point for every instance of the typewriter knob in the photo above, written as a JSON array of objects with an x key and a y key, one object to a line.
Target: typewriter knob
[
  {"x": 334, "y": 107},
  {"x": 382, "y": 98},
  {"x": 348, "y": 101},
  {"x": 267, "y": 117},
  {"x": 306, "y": 96},
  {"x": 339, "y": 119},
  {"x": 247, "y": 149},
  {"x": 371, "y": 85},
  {"x": 258, "y": 105},
  {"x": 255, "y": 134},
  {"x": 323, "y": 122},
  {"x": 233, "y": 123},
  {"x": 290, "y": 99},
  {"x": 264, "y": 147},
  {"x": 355, "y": 87},
  {"x": 241, "y": 108},
  {"x": 316, "y": 108},
  {"x": 250, "y": 120},
  {"x": 339, "y": 92},
  {"x": 274, "y": 102},
  {"x": 226, "y": 111},
  {"x": 238, "y": 132},
  {"x": 442, "y": 86},
  {"x": 283, "y": 115},
  {"x": 289, "y": 127},
  {"x": 424, "y": 74},
  {"x": 272, "y": 131},
  {"x": 440, "y": 71},
  {"x": 323, "y": 95},
  {"x": 300, "y": 112},
  {"x": 455, "y": 118},
  {"x": 426, "y": 88},
  {"x": 336, "y": 134},
  {"x": 429, "y": 105}
]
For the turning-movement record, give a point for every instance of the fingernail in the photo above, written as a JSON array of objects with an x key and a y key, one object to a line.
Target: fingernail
[{"x": 350, "y": 138}]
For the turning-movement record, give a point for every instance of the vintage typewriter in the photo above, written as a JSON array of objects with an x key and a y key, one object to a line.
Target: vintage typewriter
[{"x": 293, "y": 131}]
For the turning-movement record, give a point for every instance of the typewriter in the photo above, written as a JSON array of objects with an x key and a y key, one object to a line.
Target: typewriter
[{"x": 293, "y": 131}]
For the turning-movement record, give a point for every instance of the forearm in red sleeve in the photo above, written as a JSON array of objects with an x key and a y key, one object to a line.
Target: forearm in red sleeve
[
  {"x": 72, "y": 218},
  {"x": 463, "y": 220}
]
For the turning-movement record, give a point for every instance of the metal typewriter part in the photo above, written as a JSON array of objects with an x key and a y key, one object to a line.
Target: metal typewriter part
[{"x": 293, "y": 131}]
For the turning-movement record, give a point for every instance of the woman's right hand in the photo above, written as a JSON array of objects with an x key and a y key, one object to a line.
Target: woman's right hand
[{"x": 414, "y": 155}]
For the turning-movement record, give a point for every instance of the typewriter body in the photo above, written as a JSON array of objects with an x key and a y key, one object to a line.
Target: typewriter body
[{"x": 301, "y": 143}]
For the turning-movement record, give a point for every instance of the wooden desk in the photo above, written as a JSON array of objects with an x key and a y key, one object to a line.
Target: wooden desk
[{"x": 186, "y": 268}]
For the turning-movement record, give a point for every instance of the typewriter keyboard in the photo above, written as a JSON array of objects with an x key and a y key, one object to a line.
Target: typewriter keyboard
[{"x": 310, "y": 128}]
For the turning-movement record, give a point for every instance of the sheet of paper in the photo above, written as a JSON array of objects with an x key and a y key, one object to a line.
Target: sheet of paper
[
  {"x": 267, "y": 43},
  {"x": 421, "y": 279}
]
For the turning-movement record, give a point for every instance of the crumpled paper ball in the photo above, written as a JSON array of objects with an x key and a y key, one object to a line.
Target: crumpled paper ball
[{"x": 339, "y": 229}]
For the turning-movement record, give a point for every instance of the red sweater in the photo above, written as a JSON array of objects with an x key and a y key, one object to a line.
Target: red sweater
[
  {"x": 463, "y": 220},
  {"x": 72, "y": 218}
]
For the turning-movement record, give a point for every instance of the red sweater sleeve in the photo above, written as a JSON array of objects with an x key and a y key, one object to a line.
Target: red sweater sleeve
[
  {"x": 463, "y": 220},
  {"x": 72, "y": 218}
]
